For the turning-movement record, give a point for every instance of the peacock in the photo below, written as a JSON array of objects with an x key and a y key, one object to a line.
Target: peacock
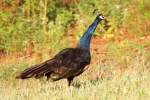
[{"x": 68, "y": 63}]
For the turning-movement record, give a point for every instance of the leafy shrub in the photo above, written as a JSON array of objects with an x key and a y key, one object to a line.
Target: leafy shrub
[{"x": 45, "y": 22}]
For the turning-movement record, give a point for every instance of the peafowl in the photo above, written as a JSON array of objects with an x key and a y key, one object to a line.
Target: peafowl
[{"x": 68, "y": 63}]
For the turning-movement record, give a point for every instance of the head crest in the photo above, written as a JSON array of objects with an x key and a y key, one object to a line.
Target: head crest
[{"x": 97, "y": 12}]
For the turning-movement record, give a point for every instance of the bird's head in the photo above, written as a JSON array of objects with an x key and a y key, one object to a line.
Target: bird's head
[{"x": 99, "y": 15}]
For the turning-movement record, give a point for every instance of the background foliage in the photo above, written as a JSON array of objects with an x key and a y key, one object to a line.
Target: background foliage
[{"x": 44, "y": 23}]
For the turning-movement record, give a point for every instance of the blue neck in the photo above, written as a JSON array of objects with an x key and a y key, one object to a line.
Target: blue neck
[{"x": 86, "y": 38}]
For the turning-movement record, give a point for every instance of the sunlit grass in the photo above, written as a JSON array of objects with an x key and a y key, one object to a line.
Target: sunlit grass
[
  {"x": 131, "y": 85},
  {"x": 108, "y": 80}
]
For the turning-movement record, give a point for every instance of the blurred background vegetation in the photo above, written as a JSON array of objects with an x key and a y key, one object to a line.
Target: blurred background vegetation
[{"x": 44, "y": 24}]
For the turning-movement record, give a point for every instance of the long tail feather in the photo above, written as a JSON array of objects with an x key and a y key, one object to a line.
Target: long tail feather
[{"x": 36, "y": 70}]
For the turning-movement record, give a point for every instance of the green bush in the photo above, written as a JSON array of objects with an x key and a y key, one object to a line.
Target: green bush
[{"x": 45, "y": 23}]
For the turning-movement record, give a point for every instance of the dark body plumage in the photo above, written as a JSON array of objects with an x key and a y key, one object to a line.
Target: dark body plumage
[{"x": 68, "y": 63}]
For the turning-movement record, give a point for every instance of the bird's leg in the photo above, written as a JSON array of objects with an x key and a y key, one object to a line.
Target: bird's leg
[{"x": 69, "y": 79}]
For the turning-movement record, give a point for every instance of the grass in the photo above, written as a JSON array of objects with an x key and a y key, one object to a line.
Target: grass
[
  {"x": 104, "y": 80},
  {"x": 131, "y": 87}
]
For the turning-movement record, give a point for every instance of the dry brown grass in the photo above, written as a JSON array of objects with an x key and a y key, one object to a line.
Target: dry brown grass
[{"x": 117, "y": 72}]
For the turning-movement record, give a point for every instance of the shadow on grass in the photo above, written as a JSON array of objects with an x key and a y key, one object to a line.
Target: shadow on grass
[{"x": 86, "y": 83}]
